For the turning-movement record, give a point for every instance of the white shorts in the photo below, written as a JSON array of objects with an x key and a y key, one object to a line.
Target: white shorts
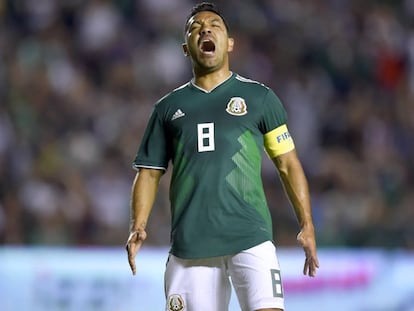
[{"x": 204, "y": 284}]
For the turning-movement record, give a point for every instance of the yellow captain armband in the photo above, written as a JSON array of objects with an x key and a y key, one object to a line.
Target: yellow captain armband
[{"x": 278, "y": 141}]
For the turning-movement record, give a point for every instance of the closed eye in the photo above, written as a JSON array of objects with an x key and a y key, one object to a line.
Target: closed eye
[{"x": 194, "y": 27}]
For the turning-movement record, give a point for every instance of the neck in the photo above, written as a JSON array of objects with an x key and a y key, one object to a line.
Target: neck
[{"x": 208, "y": 81}]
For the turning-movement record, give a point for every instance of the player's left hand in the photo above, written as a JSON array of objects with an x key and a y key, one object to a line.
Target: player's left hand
[
  {"x": 306, "y": 239},
  {"x": 134, "y": 243}
]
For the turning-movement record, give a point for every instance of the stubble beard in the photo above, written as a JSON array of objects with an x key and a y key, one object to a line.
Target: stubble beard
[{"x": 209, "y": 65}]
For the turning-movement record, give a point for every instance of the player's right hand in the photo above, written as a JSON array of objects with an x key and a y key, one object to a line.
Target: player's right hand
[{"x": 134, "y": 243}]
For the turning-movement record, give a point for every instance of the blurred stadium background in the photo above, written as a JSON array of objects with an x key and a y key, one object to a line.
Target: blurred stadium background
[{"x": 77, "y": 83}]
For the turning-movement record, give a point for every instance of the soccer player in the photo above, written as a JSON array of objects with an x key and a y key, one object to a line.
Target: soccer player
[{"x": 213, "y": 129}]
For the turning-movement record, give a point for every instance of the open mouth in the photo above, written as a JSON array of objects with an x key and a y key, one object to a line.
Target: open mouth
[{"x": 208, "y": 46}]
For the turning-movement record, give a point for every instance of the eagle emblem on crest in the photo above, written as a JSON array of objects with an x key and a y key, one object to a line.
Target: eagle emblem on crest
[
  {"x": 175, "y": 303},
  {"x": 237, "y": 106}
]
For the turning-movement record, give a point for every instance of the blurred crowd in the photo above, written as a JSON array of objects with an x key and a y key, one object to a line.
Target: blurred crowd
[{"x": 78, "y": 80}]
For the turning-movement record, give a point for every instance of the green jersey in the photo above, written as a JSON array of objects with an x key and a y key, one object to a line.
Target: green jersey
[{"x": 214, "y": 141}]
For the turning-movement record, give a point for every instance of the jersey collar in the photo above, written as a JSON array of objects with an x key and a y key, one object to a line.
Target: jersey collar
[{"x": 205, "y": 91}]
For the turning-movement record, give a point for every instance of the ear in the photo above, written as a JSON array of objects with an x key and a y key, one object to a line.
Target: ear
[
  {"x": 185, "y": 49},
  {"x": 230, "y": 44}
]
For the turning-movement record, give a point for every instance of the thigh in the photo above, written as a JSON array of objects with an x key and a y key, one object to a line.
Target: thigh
[
  {"x": 255, "y": 274},
  {"x": 197, "y": 284}
]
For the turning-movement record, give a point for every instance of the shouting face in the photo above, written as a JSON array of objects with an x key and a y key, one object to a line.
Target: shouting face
[{"x": 207, "y": 42}]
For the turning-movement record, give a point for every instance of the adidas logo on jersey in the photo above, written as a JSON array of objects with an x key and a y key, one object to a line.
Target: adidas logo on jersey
[{"x": 177, "y": 114}]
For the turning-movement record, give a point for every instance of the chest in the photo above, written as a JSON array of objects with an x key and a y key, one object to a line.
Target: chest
[
  {"x": 213, "y": 122},
  {"x": 227, "y": 112}
]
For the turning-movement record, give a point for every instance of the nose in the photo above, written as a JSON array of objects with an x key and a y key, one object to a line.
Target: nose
[{"x": 205, "y": 30}]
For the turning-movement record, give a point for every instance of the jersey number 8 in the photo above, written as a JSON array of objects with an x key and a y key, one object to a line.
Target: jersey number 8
[{"x": 205, "y": 135}]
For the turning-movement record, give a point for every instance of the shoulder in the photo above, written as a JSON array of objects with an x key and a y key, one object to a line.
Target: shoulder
[
  {"x": 172, "y": 96},
  {"x": 253, "y": 87},
  {"x": 256, "y": 89},
  {"x": 251, "y": 83}
]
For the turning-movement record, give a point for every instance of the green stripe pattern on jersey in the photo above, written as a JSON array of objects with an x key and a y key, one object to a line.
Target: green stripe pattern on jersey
[{"x": 214, "y": 141}]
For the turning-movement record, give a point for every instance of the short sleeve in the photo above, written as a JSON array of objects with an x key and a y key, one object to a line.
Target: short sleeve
[
  {"x": 153, "y": 150},
  {"x": 274, "y": 114}
]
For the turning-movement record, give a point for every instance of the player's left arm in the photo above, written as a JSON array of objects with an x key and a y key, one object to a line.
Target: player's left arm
[{"x": 280, "y": 147}]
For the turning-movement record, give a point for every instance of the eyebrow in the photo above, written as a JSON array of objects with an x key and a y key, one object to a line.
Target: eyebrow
[{"x": 211, "y": 20}]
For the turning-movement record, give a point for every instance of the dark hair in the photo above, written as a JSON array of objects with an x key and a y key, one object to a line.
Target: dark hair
[{"x": 201, "y": 7}]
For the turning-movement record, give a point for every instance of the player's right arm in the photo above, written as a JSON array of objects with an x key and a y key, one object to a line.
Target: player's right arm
[{"x": 144, "y": 190}]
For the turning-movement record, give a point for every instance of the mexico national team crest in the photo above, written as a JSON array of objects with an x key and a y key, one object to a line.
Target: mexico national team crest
[
  {"x": 175, "y": 303},
  {"x": 237, "y": 106}
]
